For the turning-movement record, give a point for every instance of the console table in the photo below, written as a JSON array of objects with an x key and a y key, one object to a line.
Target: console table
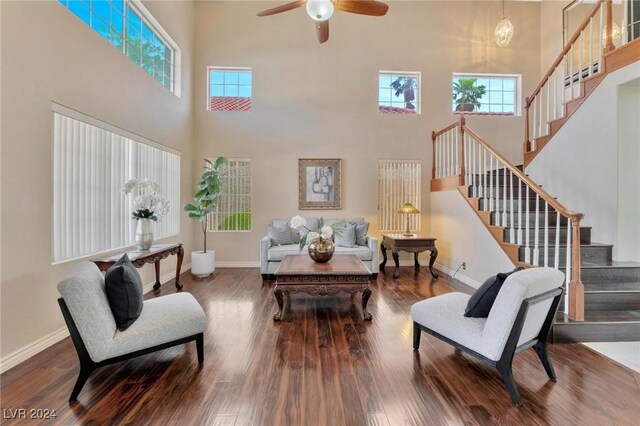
[
  {"x": 153, "y": 255},
  {"x": 343, "y": 273},
  {"x": 413, "y": 244}
]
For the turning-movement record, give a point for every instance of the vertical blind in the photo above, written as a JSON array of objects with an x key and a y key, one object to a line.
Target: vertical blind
[
  {"x": 398, "y": 183},
  {"x": 234, "y": 202},
  {"x": 91, "y": 164}
]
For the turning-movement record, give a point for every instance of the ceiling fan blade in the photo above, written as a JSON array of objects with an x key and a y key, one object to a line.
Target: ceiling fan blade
[
  {"x": 362, "y": 7},
  {"x": 322, "y": 29},
  {"x": 283, "y": 8}
]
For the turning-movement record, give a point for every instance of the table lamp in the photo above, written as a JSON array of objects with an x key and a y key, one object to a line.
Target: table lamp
[{"x": 408, "y": 208}]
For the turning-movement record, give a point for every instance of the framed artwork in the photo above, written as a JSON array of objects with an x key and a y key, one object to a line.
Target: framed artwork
[{"x": 319, "y": 184}]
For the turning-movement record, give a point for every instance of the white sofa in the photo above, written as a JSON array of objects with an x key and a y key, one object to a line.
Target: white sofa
[{"x": 272, "y": 255}]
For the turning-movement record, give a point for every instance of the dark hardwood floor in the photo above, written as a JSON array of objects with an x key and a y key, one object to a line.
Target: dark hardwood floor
[{"x": 322, "y": 365}]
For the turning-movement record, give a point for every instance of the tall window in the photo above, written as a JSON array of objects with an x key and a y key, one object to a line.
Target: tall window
[
  {"x": 398, "y": 183},
  {"x": 486, "y": 94},
  {"x": 92, "y": 161},
  {"x": 230, "y": 89},
  {"x": 399, "y": 92},
  {"x": 129, "y": 26},
  {"x": 234, "y": 206}
]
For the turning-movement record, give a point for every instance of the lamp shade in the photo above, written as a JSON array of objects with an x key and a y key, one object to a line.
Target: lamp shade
[
  {"x": 408, "y": 208},
  {"x": 320, "y": 10}
]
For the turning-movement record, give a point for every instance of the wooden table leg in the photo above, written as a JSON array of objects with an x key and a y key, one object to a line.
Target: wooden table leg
[
  {"x": 278, "y": 294},
  {"x": 396, "y": 259},
  {"x": 383, "y": 249},
  {"x": 180, "y": 255},
  {"x": 432, "y": 260},
  {"x": 366, "y": 294},
  {"x": 157, "y": 284},
  {"x": 416, "y": 264}
]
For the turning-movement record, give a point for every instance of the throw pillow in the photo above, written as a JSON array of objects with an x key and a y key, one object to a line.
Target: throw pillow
[
  {"x": 123, "y": 286},
  {"x": 361, "y": 233},
  {"x": 347, "y": 237},
  {"x": 480, "y": 303},
  {"x": 280, "y": 236}
]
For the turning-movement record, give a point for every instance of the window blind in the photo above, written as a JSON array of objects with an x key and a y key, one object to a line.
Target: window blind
[
  {"x": 398, "y": 183},
  {"x": 91, "y": 164},
  {"x": 234, "y": 202}
]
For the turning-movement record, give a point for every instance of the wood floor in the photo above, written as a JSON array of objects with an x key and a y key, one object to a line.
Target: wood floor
[{"x": 321, "y": 366}]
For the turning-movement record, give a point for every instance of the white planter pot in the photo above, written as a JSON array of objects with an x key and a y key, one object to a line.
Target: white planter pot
[{"x": 203, "y": 264}]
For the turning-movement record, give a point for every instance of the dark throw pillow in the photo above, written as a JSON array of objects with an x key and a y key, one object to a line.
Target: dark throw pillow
[
  {"x": 124, "y": 290},
  {"x": 480, "y": 303}
]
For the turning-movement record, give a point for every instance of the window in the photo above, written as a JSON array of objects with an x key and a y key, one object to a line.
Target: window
[
  {"x": 234, "y": 205},
  {"x": 398, "y": 183},
  {"x": 229, "y": 89},
  {"x": 129, "y": 26},
  {"x": 92, "y": 161},
  {"x": 486, "y": 94},
  {"x": 399, "y": 92}
]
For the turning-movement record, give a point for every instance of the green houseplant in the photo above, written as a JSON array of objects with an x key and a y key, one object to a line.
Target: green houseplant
[
  {"x": 467, "y": 95},
  {"x": 406, "y": 86},
  {"x": 206, "y": 201}
]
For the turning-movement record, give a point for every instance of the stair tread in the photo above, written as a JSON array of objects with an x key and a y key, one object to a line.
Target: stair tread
[
  {"x": 591, "y": 317},
  {"x": 617, "y": 287},
  {"x": 611, "y": 265}
]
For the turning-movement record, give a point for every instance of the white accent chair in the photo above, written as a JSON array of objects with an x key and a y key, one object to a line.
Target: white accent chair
[
  {"x": 521, "y": 317},
  {"x": 164, "y": 322}
]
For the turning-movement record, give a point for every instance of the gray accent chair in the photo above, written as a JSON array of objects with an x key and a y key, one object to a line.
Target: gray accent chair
[
  {"x": 164, "y": 322},
  {"x": 520, "y": 318},
  {"x": 272, "y": 255}
]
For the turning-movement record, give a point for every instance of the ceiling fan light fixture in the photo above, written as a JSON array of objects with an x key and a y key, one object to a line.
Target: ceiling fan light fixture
[{"x": 320, "y": 10}]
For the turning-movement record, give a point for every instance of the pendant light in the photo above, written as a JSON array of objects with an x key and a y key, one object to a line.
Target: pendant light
[{"x": 504, "y": 31}]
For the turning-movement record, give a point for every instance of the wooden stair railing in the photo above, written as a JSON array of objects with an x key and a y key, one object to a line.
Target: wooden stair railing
[
  {"x": 518, "y": 205},
  {"x": 578, "y": 69}
]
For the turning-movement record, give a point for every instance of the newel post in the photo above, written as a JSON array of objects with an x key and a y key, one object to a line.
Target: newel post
[
  {"x": 433, "y": 158},
  {"x": 608, "y": 26},
  {"x": 461, "y": 125},
  {"x": 576, "y": 288},
  {"x": 527, "y": 141}
]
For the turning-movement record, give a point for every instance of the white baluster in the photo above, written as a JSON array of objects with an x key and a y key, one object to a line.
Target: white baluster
[
  {"x": 555, "y": 93},
  {"x": 497, "y": 200},
  {"x": 536, "y": 231},
  {"x": 437, "y": 157},
  {"x": 519, "y": 233},
  {"x": 568, "y": 267},
  {"x": 535, "y": 125},
  {"x": 564, "y": 85},
  {"x": 625, "y": 34},
  {"x": 504, "y": 201},
  {"x": 547, "y": 130},
  {"x": 457, "y": 152},
  {"x": 571, "y": 72},
  {"x": 546, "y": 234},
  {"x": 484, "y": 178},
  {"x": 473, "y": 168},
  {"x": 600, "y": 44},
  {"x": 512, "y": 236},
  {"x": 580, "y": 58},
  {"x": 527, "y": 252},
  {"x": 491, "y": 203},
  {"x": 590, "y": 46},
  {"x": 556, "y": 260},
  {"x": 467, "y": 161}
]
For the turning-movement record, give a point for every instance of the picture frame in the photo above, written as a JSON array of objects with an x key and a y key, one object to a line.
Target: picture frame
[{"x": 319, "y": 184}]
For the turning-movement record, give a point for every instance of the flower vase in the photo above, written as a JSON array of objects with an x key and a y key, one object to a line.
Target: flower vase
[
  {"x": 321, "y": 250},
  {"x": 144, "y": 234}
]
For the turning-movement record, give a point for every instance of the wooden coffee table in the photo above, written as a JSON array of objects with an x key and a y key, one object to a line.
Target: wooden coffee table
[{"x": 343, "y": 273}]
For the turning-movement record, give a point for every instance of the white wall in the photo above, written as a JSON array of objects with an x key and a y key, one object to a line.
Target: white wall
[
  {"x": 628, "y": 244},
  {"x": 579, "y": 165},
  {"x": 462, "y": 237},
  {"x": 48, "y": 54}
]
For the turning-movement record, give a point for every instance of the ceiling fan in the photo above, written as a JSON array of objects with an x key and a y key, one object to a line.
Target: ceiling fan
[{"x": 321, "y": 10}]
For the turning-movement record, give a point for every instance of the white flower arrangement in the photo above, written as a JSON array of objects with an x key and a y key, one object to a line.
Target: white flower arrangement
[
  {"x": 148, "y": 203},
  {"x": 324, "y": 232}
]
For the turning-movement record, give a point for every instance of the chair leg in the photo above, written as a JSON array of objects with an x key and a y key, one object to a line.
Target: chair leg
[
  {"x": 200, "y": 347},
  {"x": 507, "y": 377},
  {"x": 85, "y": 372},
  {"x": 416, "y": 337},
  {"x": 541, "y": 350}
]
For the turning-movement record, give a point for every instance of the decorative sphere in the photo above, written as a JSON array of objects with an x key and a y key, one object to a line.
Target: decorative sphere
[
  {"x": 321, "y": 250},
  {"x": 320, "y": 10}
]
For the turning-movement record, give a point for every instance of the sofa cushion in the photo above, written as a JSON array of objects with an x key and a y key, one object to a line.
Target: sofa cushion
[
  {"x": 361, "y": 233},
  {"x": 277, "y": 253},
  {"x": 280, "y": 235},
  {"x": 482, "y": 300},
  {"x": 123, "y": 286},
  {"x": 347, "y": 236}
]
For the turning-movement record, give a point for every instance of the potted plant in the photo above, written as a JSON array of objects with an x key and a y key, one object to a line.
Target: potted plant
[
  {"x": 406, "y": 86},
  {"x": 467, "y": 95},
  {"x": 203, "y": 263}
]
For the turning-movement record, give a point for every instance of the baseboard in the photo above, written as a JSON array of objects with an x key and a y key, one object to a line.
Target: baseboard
[
  {"x": 240, "y": 264},
  {"x": 459, "y": 276},
  {"x": 26, "y": 352}
]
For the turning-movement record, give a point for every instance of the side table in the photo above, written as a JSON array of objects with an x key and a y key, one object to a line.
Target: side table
[
  {"x": 413, "y": 244},
  {"x": 153, "y": 255}
]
